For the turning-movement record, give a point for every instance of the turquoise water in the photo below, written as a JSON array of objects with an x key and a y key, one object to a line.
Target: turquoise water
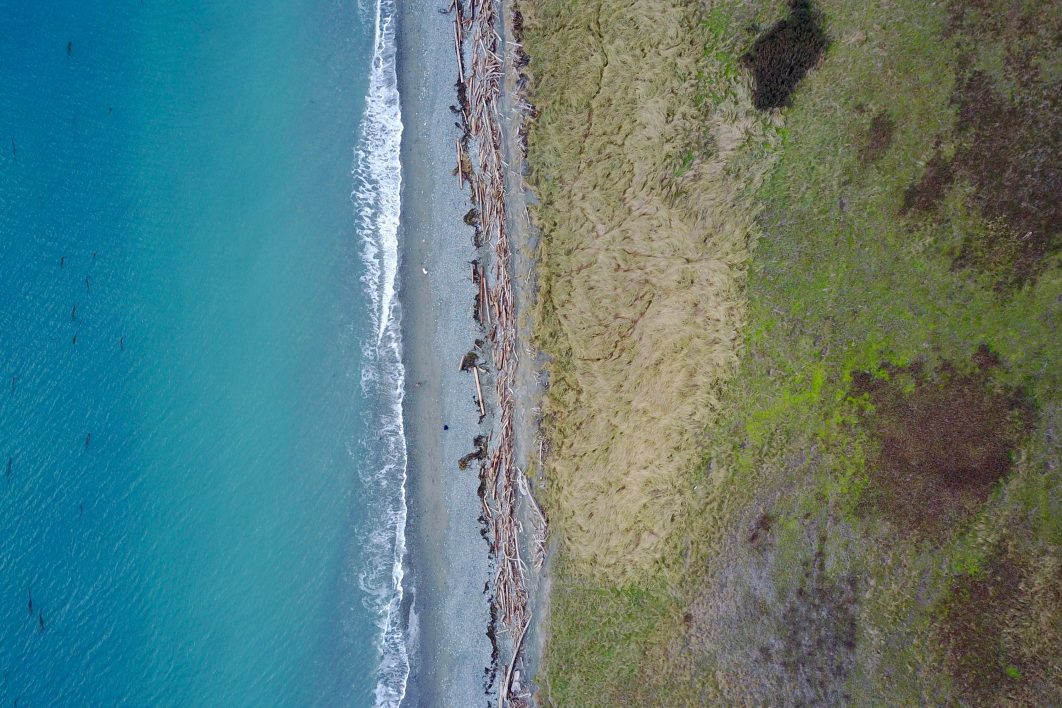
[{"x": 189, "y": 485}]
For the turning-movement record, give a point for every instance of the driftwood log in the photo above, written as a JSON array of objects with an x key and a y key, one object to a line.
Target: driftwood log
[{"x": 480, "y": 164}]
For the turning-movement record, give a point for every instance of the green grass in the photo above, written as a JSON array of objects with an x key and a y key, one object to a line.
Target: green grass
[
  {"x": 601, "y": 634},
  {"x": 832, "y": 292},
  {"x": 839, "y": 283},
  {"x": 836, "y": 291}
]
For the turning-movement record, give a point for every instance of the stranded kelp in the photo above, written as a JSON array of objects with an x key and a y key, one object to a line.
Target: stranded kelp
[{"x": 781, "y": 57}]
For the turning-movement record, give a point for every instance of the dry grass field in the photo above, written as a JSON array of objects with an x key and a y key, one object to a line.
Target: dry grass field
[{"x": 643, "y": 267}]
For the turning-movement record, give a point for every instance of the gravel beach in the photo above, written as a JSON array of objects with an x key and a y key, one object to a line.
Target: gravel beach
[{"x": 448, "y": 557}]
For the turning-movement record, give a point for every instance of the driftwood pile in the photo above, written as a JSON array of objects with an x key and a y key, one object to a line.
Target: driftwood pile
[{"x": 480, "y": 166}]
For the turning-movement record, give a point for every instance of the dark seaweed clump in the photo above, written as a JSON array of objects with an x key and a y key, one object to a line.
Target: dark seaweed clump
[{"x": 781, "y": 57}]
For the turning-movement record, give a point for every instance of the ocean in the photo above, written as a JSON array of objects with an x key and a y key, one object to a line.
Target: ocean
[{"x": 203, "y": 493}]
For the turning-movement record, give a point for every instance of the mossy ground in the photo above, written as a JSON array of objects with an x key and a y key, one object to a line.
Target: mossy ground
[{"x": 857, "y": 277}]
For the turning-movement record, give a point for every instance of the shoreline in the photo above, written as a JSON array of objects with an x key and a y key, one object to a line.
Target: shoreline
[
  {"x": 448, "y": 610},
  {"x": 467, "y": 613}
]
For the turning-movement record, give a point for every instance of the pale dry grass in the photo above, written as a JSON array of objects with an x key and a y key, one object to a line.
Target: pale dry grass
[{"x": 645, "y": 246}]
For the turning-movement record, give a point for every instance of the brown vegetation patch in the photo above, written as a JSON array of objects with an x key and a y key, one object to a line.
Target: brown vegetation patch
[
  {"x": 818, "y": 640},
  {"x": 985, "y": 359},
  {"x": 1009, "y": 132},
  {"x": 781, "y": 57},
  {"x": 1001, "y": 633},
  {"x": 925, "y": 194},
  {"x": 1012, "y": 153},
  {"x": 641, "y": 270},
  {"x": 879, "y": 137},
  {"x": 760, "y": 533},
  {"x": 944, "y": 442}
]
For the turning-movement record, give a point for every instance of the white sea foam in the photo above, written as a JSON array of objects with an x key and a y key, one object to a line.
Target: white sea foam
[
  {"x": 377, "y": 192},
  {"x": 379, "y": 169}
]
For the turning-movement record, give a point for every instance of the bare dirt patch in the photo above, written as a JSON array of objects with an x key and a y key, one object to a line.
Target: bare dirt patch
[
  {"x": 784, "y": 54},
  {"x": 879, "y": 137},
  {"x": 925, "y": 194},
  {"x": 944, "y": 441},
  {"x": 777, "y": 625},
  {"x": 1008, "y": 138},
  {"x": 1001, "y": 632},
  {"x": 1011, "y": 152}
]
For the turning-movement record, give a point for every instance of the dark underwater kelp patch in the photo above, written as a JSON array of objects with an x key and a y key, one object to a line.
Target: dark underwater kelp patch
[
  {"x": 944, "y": 439},
  {"x": 784, "y": 54}
]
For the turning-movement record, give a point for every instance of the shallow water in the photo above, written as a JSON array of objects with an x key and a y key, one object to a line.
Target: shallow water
[{"x": 194, "y": 480}]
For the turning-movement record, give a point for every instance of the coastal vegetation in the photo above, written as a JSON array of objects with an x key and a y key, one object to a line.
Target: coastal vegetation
[
  {"x": 800, "y": 293},
  {"x": 646, "y": 237}
]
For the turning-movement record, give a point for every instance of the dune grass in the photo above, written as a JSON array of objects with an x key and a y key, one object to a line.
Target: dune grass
[
  {"x": 750, "y": 556},
  {"x": 642, "y": 265}
]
